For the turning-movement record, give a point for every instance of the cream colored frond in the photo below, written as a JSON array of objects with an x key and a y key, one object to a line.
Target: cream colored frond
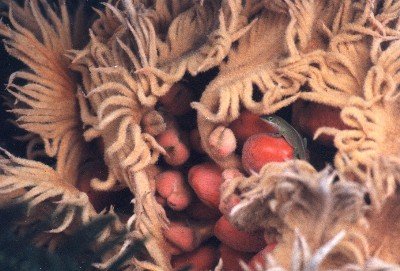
[
  {"x": 296, "y": 193},
  {"x": 305, "y": 33},
  {"x": 376, "y": 265},
  {"x": 379, "y": 19},
  {"x": 114, "y": 101},
  {"x": 252, "y": 69},
  {"x": 110, "y": 19},
  {"x": 278, "y": 6},
  {"x": 34, "y": 143},
  {"x": 37, "y": 184},
  {"x": 163, "y": 12},
  {"x": 372, "y": 264},
  {"x": 196, "y": 33},
  {"x": 292, "y": 195},
  {"x": 45, "y": 94},
  {"x": 341, "y": 72},
  {"x": 321, "y": 208},
  {"x": 197, "y": 40},
  {"x": 116, "y": 98},
  {"x": 256, "y": 194},
  {"x": 303, "y": 257},
  {"x": 371, "y": 119},
  {"x": 383, "y": 179},
  {"x": 384, "y": 231},
  {"x": 338, "y": 73},
  {"x": 313, "y": 261}
]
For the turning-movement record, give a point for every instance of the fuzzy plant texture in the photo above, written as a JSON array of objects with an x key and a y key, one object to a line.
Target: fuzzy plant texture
[
  {"x": 18, "y": 251},
  {"x": 85, "y": 108}
]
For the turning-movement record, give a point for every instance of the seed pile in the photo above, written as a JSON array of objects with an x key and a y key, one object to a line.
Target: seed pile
[{"x": 195, "y": 112}]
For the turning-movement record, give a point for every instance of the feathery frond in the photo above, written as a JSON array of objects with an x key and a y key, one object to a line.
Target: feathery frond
[
  {"x": 46, "y": 105},
  {"x": 35, "y": 184},
  {"x": 78, "y": 251}
]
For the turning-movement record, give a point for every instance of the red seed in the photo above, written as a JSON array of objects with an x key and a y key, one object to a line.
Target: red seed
[
  {"x": 239, "y": 240},
  {"x": 223, "y": 141},
  {"x": 231, "y": 173},
  {"x": 179, "y": 200},
  {"x": 260, "y": 149},
  {"x": 171, "y": 186},
  {"x": 166, "y": 181},
  {"x": 232, "y": 257},
  {"x": 172, "y": 249},
  {"x": 168, "y": 138},
  {"x": 180, "y": 235},
  {"x": 259, "y": 258},
  {"x": 199, "y": 211},
  {"x": 206, "y": 179},
  {"x": 308, "y": 117},
  {"x": 249, "y": 124},
  {"x": 204, "y": 258},
  {"x": 226, "y": 206},
  {"x": 177, "y": 155},
  {"x": 187, "y": 236},
  {"x": 177, "y": 152}
]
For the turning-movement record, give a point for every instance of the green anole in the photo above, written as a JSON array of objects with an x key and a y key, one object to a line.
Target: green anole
[{"x": 290, "y": 134}]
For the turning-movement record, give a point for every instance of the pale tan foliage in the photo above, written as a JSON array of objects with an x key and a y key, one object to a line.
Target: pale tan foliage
[
  {"x": 340, "y": 68},
  {"x": 256, "y": 66},
  {"x": 247, "y": 67},
  {"x": 118, "y": 98},
  {"x": 113, "y": 105},
  {"x": 105, "y": 26},
  {"x": 339, "y": 72},
  {"x": 384, "y": 231},
  {"x": 197, "y": 40},
  {"x": 256, "y": 193},
  {"x": 373, "y": 131},
  {"x": 291, "y": 196},
  {"x": 163, "y": 12},
  {"x": 34, "y": 143},
  {"x": 37, "y": 184},
  {"x": 372, "y": 264},
  {"x": 268, "y": 53},
  {"x": 307, "y": 260},
  {"x": 45, "y": 103},
  {"x": 120, "y": 91},
  {"x": 383, "y": 180},
  {"x": 48, "y": 194},
  {"x": 303, "y": 259}
]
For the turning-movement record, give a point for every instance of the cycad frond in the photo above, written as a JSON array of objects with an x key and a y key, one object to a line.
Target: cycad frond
[
  {"x": 46, "y": 105},
  {"x": 291, "y": 195},
  {"x": 77, "y": 251},
  {"x": 36, "y": 184}
]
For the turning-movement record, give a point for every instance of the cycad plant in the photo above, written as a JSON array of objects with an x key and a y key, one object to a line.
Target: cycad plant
[{"x": 77, "y": 251}]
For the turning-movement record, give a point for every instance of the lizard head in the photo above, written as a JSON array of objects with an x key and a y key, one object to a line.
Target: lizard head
[{"x": 272, "y": 119}]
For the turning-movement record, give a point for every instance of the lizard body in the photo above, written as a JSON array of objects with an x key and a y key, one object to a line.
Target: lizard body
[{"x": 289, "y": 133}]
